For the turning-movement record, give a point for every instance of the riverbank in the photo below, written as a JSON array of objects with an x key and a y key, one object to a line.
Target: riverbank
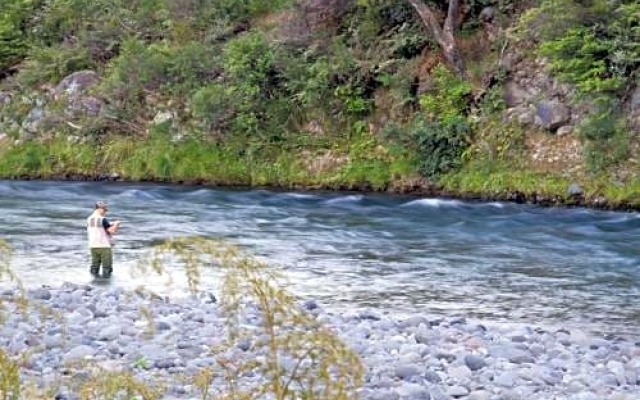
[
  {"x": 167, "y": 343},
  {"x": 361, "y": 165}
]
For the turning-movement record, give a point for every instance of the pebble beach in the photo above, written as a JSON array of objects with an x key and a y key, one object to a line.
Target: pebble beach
[{"x": 416, "y": 357}]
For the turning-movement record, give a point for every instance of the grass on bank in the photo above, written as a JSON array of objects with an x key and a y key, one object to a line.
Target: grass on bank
[
  {"x": 498, "y": 179},
  {"x": 324, "y": 368},
  {"x": 359, "y": 162}
]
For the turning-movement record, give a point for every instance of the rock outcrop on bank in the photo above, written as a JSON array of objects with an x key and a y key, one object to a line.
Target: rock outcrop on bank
[{"x": 415, "y": 357}]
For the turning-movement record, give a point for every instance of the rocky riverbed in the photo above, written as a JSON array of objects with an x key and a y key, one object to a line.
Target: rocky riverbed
[{"x": 413, "y": 358}]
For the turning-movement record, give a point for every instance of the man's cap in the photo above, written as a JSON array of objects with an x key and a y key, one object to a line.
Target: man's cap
[{"x": 102, "y": 204}]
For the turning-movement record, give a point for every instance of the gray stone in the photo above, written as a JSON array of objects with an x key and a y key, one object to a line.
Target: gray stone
[
  {"x": 586, "y": 396},
  {"x": 76, "y": 83},
  {"x": 522, "y": 359},
  {"x": 552, "y": 114},
  {"x": 79, "y": 352},
  {"x": 310, "y": 305},
  {"x": 164, "y": 117},
  {"x": 111, "y": 332},
  {"x": 518, "y": 339},
  {"x": 480, "y": 395},
  {"x": 413, "y": 321},
  {"x": 153, "y": 352},
  {"x": 163, "y": 326},
  {"x": 41, "y": 294},
  {"x": 52, "y": 341},
  {"x": 457, "y": 391},
  {"x": 412, "y": 391},
  {"x": 564, "y": 130},
  {"x": 506, "y": 352},
  {"x": 575, "y": 190},
  {"x": 5, "y": 98},
  {"x": 474, "y": 362},
  {"x": 432, "y": 376},
  {"x": 551, "y": 377},
  {"x": 244, "y": 344},
  {"x": 609, "y": 380},
  {"x": 515, "y": 94},
  {"x": 164, "y": 364},
  {"x": 488, "y": 14},
  {"x": 406, "y": 371},
  {"x": 446, "y": 356},
  {"x": 383, "y": 394},
  {"x": 437, "y": 394},
  {"x": 422, "y": 335},
  {"x": 32, "y": 122},
  {"x": 92, "y": 106},
  {"x": 598, "y": 343},
  {"x": 460, "y": 373},
  {"x": 506, "y": 379}
]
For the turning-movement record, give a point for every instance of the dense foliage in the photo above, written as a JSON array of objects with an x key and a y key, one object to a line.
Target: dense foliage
[
  {"x": 594, "y": 45},
  {"x": 289, "y": 79}
]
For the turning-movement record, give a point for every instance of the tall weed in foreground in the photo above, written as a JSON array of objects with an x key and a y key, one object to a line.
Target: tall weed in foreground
[
  {"x": 10, "y": 385},
  {"x": 300, "y": 358}
]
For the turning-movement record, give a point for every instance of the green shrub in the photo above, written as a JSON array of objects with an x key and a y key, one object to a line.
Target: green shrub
[
  {"x": 52, "y": 64},
  {"x": 99, "y": 25},
  {"x": 441, "y": 144},
  {"x": 14, "y": 43},
  {"x": 242, "y": 103},
  {"x": 448, "y": 97},
  {"x": 605, "y": 132},
  {"x": 582, "y": 58},
  {"x": 593, "y": 45},
  {"x": 213, "y": 106}
]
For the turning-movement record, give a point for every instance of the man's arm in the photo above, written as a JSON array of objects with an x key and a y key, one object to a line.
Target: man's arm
[{"x": 109, "y": 227}]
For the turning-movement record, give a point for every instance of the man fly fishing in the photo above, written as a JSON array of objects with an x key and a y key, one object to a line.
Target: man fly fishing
[{"x": 100, "y": 232}]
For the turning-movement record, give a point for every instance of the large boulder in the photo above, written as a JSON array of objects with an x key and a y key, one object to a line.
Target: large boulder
[
  {"x": 33, "y": 121},
  {"x": 75, "y": 90},
  {"x": 552, "y": 114},
  {"x": 514, "y": 94},
  {"x": 76, "y": 84},
  {"x": 5, "y": 98}
]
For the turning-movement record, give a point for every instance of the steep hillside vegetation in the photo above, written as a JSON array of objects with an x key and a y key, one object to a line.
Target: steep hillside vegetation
[{"x": 525, "y": 100}]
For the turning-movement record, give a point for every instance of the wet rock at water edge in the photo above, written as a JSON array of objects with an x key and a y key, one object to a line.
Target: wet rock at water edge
[{"x": 575, "y": 190}]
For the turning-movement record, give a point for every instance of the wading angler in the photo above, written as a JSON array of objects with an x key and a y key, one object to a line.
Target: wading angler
[{"x": 100, "y": 233}]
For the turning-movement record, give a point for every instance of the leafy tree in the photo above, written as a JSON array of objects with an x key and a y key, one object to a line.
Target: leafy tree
[
  {"x": 596, "y": 46},
  {"x": 13, "y": 32}
]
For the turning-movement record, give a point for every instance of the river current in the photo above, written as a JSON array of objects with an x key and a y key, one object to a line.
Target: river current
[{"x": 496, "y": 262}]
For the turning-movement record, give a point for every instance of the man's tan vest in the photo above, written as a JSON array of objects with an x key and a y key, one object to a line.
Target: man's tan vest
[{"x": 98, "y": 236}]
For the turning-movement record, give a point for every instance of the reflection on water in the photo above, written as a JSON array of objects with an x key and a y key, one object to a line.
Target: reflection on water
[{"x": 501, "y": 262}]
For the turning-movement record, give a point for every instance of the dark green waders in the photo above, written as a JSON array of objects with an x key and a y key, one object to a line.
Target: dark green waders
[{"x": 104, "y": 257}]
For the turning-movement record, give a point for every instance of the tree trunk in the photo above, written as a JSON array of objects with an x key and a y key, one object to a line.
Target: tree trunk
[{"x": 444, "y": 35}]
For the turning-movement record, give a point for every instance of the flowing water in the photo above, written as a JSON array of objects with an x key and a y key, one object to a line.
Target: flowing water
[{"x": 496, "y": 262}]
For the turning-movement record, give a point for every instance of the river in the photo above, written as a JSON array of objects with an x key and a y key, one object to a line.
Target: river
[{"x": 495, "y": 262}]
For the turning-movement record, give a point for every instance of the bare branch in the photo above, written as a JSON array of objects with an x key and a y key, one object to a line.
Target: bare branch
[
  {"x": 428, "y": 18},
  {"x": 450, "y": 22},
  {"x": 443, "y": 35}
]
